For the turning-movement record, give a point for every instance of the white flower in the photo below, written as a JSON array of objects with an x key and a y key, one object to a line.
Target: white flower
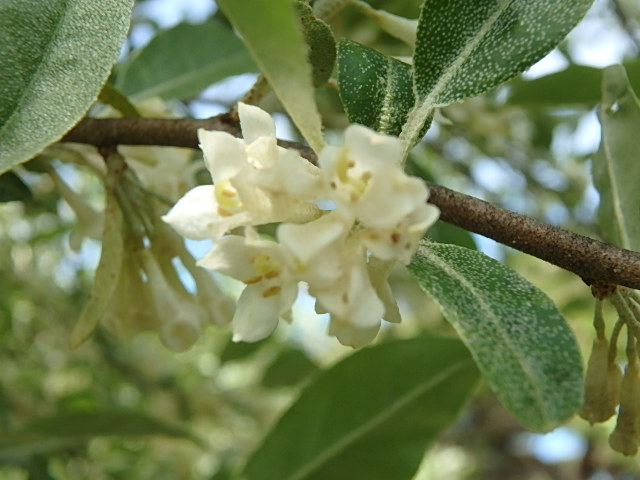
[
  {"x": 365, "y": 179},
  {"x": 344, "y": 255},
  {"x": 400, "y": 241},
  {"x": 255, "y": 182},
  {"x": 270, "y": 290},
  {"x": 334, "y": 264}
]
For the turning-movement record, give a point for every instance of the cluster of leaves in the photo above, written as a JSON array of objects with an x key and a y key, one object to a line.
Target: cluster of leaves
[{"x": 373, "y": 414}]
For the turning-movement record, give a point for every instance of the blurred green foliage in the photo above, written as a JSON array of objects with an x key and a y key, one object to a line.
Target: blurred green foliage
[{"x": 198, "y": 415}]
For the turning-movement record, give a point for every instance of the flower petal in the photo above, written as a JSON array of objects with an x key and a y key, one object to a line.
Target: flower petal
[
  {"x": 194, "y": 213},
  {"x": 255, "y": 123},
  {"x": 224, "y": 154}
]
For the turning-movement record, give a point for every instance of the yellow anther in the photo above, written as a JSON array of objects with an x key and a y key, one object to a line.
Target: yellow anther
[
  {"x": 251, "y": 280},
  {"x": 270, "y": 292}
]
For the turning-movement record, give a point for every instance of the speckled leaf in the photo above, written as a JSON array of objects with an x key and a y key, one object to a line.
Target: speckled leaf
[
  {"x": 54, "y": 57},
  {"x": 371, "y": 416},
  {"x": 107, "y": 272},
  {"x": 376, "y": 90},
  {"x": 322, "y": 45},
  {"x": 466, "y": 47},
  {"x": 273, "y": 36},
  {"x": 616, "y": 169},
  {"x": 517, "y": 336},
  {"x": 170, "y": 67}
]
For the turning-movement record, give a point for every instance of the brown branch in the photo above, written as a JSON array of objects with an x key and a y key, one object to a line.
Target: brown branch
[
  {"x": 168, "y": 132},
  {"x": 592, "y": 260}
]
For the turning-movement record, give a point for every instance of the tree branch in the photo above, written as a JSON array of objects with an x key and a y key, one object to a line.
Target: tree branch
[{"x": 592, "y": 260}]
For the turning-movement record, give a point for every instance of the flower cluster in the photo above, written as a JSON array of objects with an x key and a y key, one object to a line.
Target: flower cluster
[{"x": 377, "y": 216}]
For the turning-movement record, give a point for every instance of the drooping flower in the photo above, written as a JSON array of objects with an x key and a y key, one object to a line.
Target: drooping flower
[
  {"x": 270, "y": 288},
  {"x": 334, "y": 265}
]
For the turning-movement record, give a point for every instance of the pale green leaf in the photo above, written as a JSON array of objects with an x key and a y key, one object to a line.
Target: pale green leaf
[
  {"x": 519, "y": 339},
  {"x": 184, "y": 60},
  {"x": 110, "y": 95},
  {"x": 272, "y": 34},
  {"x": 616, "y": 169},
  {"x": 107, "y": 272},
  {"x": 371, "y": 416},
  {"x": 467, "y": 47},
  {"x": 55, "y": 55},
  {"x": 376, "y": 90},
  {"x": 399, "y": 27}
]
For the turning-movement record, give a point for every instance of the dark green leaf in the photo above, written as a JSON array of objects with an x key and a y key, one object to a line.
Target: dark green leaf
[
  {"x": 443, "y": 232},
  {"x": 56, "y": 55},
  {"x": 376, "y": 90},
  {"x": 12, "y": 188},
  {"x": 290, "y": 367},
  {"x": 322, "y": 45},
  {"x": 577, "y": 86},
  {"x": 616, "y": 168},
  {"x": 519, "y": 339},
  {"x": 73, "y": 428},
  {"x": 467, "y": 47},
  {"x": 371, "y": 416},
  {"x": 183, "y": 61},
  {"x": 240, "y": 350}
]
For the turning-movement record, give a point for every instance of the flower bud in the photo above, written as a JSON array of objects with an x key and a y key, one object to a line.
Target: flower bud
[
  {"x": 602, "y": 384},
  {"x": 626, "y": 436},
  {"x": 180, "y": 319}
]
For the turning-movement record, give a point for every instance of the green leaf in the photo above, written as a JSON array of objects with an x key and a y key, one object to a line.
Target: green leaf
[
  {"x": 110, "y": 95},
  {"x": 240, "y": 350},
  {"x": 184, "y": 60},
  {"x": 576, "y": 86},
  {"x": 376, "y": 90},
  {"x": 371, "y": 416},
  {"x": 290, "y": 367},
  {"x": 12, "y": 188},
  {"x": 76, "y": 428},
  {"x": 272, "y": 34},
  {"x": 322, "y": 45},
  {"x": 616, "y": 170},
  {"x": 467, "y": 47},
  {"x": 56, "y": 55},
  {"x": 518, "y": 337}
]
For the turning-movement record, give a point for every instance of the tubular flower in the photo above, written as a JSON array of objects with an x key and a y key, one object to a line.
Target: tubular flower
[{"x": 344, "y": 255}]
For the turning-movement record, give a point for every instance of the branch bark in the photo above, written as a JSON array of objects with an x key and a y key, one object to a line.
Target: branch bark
[{"x": 592, "y": 260}]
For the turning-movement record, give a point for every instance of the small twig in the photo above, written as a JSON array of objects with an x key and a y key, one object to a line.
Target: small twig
[{"x": 592, "y": 260}]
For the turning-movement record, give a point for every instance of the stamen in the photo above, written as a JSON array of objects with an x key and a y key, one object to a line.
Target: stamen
[{"x": 270, "y": 292}]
